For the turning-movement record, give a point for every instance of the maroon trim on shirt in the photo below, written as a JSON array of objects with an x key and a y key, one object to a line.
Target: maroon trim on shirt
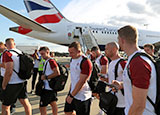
[
  {"x": 140, "y": 72},
  {"x": 123, "y": 63},
  {"x": 103, "y": 60},
  {"x": 86, "y": 67},
  {"x": 53, "y": 63},
  {"x": 7, "y": 57}
]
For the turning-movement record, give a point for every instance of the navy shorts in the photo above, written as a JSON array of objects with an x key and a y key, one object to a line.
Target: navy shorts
[
  {"x": 14, "y": 92},
  {"x": 47, "y": 97},
  {"x": 81, "y": 107}
]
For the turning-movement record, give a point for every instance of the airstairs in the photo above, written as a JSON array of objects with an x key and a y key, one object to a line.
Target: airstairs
[{"x": 86, "y": 39}]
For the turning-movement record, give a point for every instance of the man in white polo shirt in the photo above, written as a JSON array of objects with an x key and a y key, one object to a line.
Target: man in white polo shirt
[
  {"x": 2, "y": 67},
  {"x": 102, "y": 63},
  {"x": 139, "y": 76},
  {"x": 112, "y": 51},
  {"x": 50, "y": 70},
  {"x": 13, "y": 87},
  {"x": 79, "y": 98}
]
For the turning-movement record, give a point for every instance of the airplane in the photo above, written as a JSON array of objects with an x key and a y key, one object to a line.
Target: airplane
[{"x": 47, "y": 23}]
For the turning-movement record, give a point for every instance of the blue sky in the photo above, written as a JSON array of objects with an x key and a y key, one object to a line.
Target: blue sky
[
  {"x": 107, "y": 12},
  {"x": 18, "y": 6}
]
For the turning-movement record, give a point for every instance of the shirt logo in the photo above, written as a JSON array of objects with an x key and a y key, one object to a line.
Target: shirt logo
[{"x": 77, "y": 65}]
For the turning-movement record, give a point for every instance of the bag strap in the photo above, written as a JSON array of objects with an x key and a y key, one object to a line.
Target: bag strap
[
  {"x": 116, "y": 67},
  {"x": 84, "y": 59},
  {"x": 116, "y": 72},
  {"x": 45, "y": 66},
  {"x": 18, "y": 54},
  {"x": 70, "y": 60},
  {"x": 148, "y": 56},
  {"x": 14, "y": 51}
]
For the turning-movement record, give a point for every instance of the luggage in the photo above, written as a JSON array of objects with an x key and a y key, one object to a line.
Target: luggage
[
  {"x": 108, "y": 102},
  {"x": 39, "y": 87},
  {"x": 25, "y": 65},
  {"x": 58, "y": 83}
]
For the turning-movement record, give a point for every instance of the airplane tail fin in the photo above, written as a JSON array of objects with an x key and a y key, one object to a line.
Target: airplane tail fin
[{"x": 43, "y": 11}]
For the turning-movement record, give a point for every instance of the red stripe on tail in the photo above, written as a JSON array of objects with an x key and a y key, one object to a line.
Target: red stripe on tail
[
  {"x": 47, "y": 1},
  {"x": 55, "y": 18}
]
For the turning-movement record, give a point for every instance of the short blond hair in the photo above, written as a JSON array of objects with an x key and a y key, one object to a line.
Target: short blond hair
[
  {"x": 149, "y": 46},
  {"x": 129, "y": 33},
  {"x": 9, "y": 39},
  {"x": 75, "y": 45},
  {"x": 2, "y": 44}
]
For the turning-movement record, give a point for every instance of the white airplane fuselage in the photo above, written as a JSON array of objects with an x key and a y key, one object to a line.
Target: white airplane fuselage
[{"x": 103, "y": 34}]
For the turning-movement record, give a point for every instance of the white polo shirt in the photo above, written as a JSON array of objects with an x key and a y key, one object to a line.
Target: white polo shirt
[
  {"x": 2, "y": 69},
  {"x": 13, "y": 57},
  {"x": 143, "y": 75},
  {"x": 111, "y": 77},
  {"x": 75, "y": 70},
  {"x": 51, "y": 64}
]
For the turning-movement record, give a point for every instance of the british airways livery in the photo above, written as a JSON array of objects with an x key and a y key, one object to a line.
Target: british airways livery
[{"x": 47, "y": 23}]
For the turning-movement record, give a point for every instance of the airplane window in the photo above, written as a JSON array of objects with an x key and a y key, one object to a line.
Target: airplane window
[
  {"x": 110, "y": 33},
  {"x": 93, "y": 31},
  {"x": 102, "y": 32},
  {"x": 96, "y": 31},
  {"x": 107, "y": 32}
]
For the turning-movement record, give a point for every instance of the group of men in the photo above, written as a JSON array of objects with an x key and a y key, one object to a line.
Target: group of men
[
  {"x": 13, "y": 88},
  {"x": 137, "y": 86},
  {"x": 136, "y": 76}
]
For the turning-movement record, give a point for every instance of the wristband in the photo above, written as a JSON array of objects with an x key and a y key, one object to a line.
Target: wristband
[{"x": 71, "y": 95}]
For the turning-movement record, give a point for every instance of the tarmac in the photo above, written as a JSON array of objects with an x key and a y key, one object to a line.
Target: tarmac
[{"x": 34, "y": 100}]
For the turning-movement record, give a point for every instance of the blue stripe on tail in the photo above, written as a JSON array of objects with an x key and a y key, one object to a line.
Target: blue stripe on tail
[{"x": 34, "y": 6}]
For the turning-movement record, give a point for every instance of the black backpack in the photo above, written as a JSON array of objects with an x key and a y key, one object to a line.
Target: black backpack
[
  {"x": 94, "y": 83},
  {"x": 25, "y": 65},
  {"x": 93, "y": 80},
  {"x": 156, "y": 62},
  {"x": 108, "y": 102},
  {"x": 58, "y": 83},
  {"x": 39, "y": 88}
]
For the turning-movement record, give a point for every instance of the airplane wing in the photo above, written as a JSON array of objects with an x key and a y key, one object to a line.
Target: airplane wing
[{"x": 22, "y": 21}]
